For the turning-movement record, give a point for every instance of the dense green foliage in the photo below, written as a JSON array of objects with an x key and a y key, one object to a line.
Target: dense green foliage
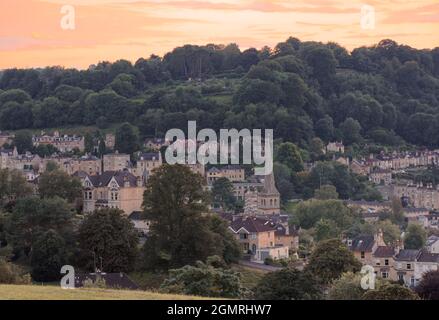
[
  {"x": 390, "y": 291},
  {"x": 415, "y": 236},
  {"x": 428, "y": 288},
  {"x": 107, "y": 238},
  {"x": 181, "y": 232},
  {"x": 330, "y": 259},
  {"x": 204, "y": 280},
  {"x": 385, "y": 93},
  {"x": 288, "y": 284}
]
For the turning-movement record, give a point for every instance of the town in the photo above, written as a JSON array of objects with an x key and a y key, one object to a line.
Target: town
[{"x": 265, "y": 232}]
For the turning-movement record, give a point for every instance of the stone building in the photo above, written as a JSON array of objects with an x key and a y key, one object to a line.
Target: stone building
[
  {"x": 113, "y": 189},
  {"x": 64, "y": 143},
  {"x": 116, "y": 161},
  {"x": 418, "y": 195}
]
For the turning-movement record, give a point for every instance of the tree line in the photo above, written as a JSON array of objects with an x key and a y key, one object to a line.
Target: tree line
[{"x": 387, "y": 93}]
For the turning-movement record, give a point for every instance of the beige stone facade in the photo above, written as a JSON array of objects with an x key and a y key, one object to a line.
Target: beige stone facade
[
  {"x": 121, "y": 190},
  {"x": 116, "y": 161},
  {"x": 64, "y": 143}
]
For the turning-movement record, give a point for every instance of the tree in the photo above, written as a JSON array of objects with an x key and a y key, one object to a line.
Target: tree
[
  {"x": 23, "y": 141},
  {"x": 33, "y": 216},
  {"x": 127, "y": 140},
  {"x": 57, "y": 183},
  {"x": 415, "y": 236},
  {"x": 222, "y": 194},
  {"x": 203, "y": 280},
  {"x": 11, "y": 274},
  {"x": 326, "y": 229},
  {"x": 326, "y": 192},
  {"x": 288, "y": 153},
  {"x": 180, "y": 233},
  {"x": 347, "y": 287},
  {"x": 390, "y": 291},
  {"x": 308, "y": 213},
  {"x": 88, "y": 143},
  {"x": 350, "y": 130},
  {"x": 48, "y": 256},
  {"x": 283, "y": 178},
  {"x": 287, "y": 284},
  {"x": 428, "y": 288},
  {"x": 325, "y": 128},
  {"x": 15, "y": 116},
  {"x": 106, "y": 237},
  {"x": 12, "y": 186},
  {"x": 330, "y": 259}
]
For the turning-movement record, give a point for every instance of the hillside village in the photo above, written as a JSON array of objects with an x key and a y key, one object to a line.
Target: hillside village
[{"x": 262, "y": 227}]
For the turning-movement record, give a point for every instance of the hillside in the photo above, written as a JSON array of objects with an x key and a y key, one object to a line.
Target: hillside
[
  {"x": 34, "y": 292},
  {"x": 386, "y": 94}
]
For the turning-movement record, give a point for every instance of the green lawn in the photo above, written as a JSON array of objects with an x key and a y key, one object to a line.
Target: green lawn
[{"x": 38, "y": 292}]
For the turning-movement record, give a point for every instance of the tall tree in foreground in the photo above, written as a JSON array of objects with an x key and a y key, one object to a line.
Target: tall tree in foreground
[
  {"x": 181, "y": 232},
  {"x": 48, "y": 256},
  {"x": 428, "y": 288},
  {"x": 106, "y": 237},
  {"x": 330, "y": 259}
]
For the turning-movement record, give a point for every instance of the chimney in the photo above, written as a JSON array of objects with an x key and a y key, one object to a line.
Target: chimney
[
  {"x": 126, "y": 181},
  {"x": 379, "y": 238}
]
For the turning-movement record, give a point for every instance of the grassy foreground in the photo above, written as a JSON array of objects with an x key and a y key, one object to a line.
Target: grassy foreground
[{"x": 36, "y": 292}]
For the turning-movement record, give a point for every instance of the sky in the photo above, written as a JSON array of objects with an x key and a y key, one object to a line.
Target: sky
[{"x": 38, "y": 33}]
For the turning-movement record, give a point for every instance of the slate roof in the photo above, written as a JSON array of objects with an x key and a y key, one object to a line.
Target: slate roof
[
  {"x": 384, "y": 252},
  {"x": 407, "y": 255},
  {"x": 426, "y": 256},
  {"x": 120, "y": 177},
  {"x": 252, "y": 224},
  {"x": 431, "y": 240},
  {"x": 149, "y": 156},
  {"x": 363, "y": 243}
]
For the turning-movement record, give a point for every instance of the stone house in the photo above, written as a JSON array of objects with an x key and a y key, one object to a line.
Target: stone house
[
  {"x": 335, "y": 146},
  {"x": 113, "y": 189},
  {"x": 257, "y": 238}
]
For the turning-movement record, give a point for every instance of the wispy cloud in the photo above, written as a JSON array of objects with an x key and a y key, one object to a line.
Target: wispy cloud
[{"x": 30, "y": 32}]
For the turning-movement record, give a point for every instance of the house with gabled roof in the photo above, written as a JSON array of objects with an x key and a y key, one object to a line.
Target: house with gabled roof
[
  {"x": 257, "y": 237},
  {"x": 113, "y": 189}
]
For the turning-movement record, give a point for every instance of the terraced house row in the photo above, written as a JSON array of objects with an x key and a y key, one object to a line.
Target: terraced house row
[{"x": 393, "y": 261}]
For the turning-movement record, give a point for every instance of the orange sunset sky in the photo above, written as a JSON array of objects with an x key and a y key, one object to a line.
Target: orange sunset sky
[{"x": 31, "y": 35}]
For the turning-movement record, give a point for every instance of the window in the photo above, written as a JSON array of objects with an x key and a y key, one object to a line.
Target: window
[
  {"x": 243, "y": 236},
  {"x": 386, "y": 262},
  {"x": 362, "y": 255},
  {"x": 385, "y": 274},
  {"x": 400, "y": 277},
  {"x": 409, "y": 266}
]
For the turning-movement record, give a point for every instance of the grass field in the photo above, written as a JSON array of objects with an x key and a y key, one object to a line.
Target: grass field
[{"x": 37, "y": 292}]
